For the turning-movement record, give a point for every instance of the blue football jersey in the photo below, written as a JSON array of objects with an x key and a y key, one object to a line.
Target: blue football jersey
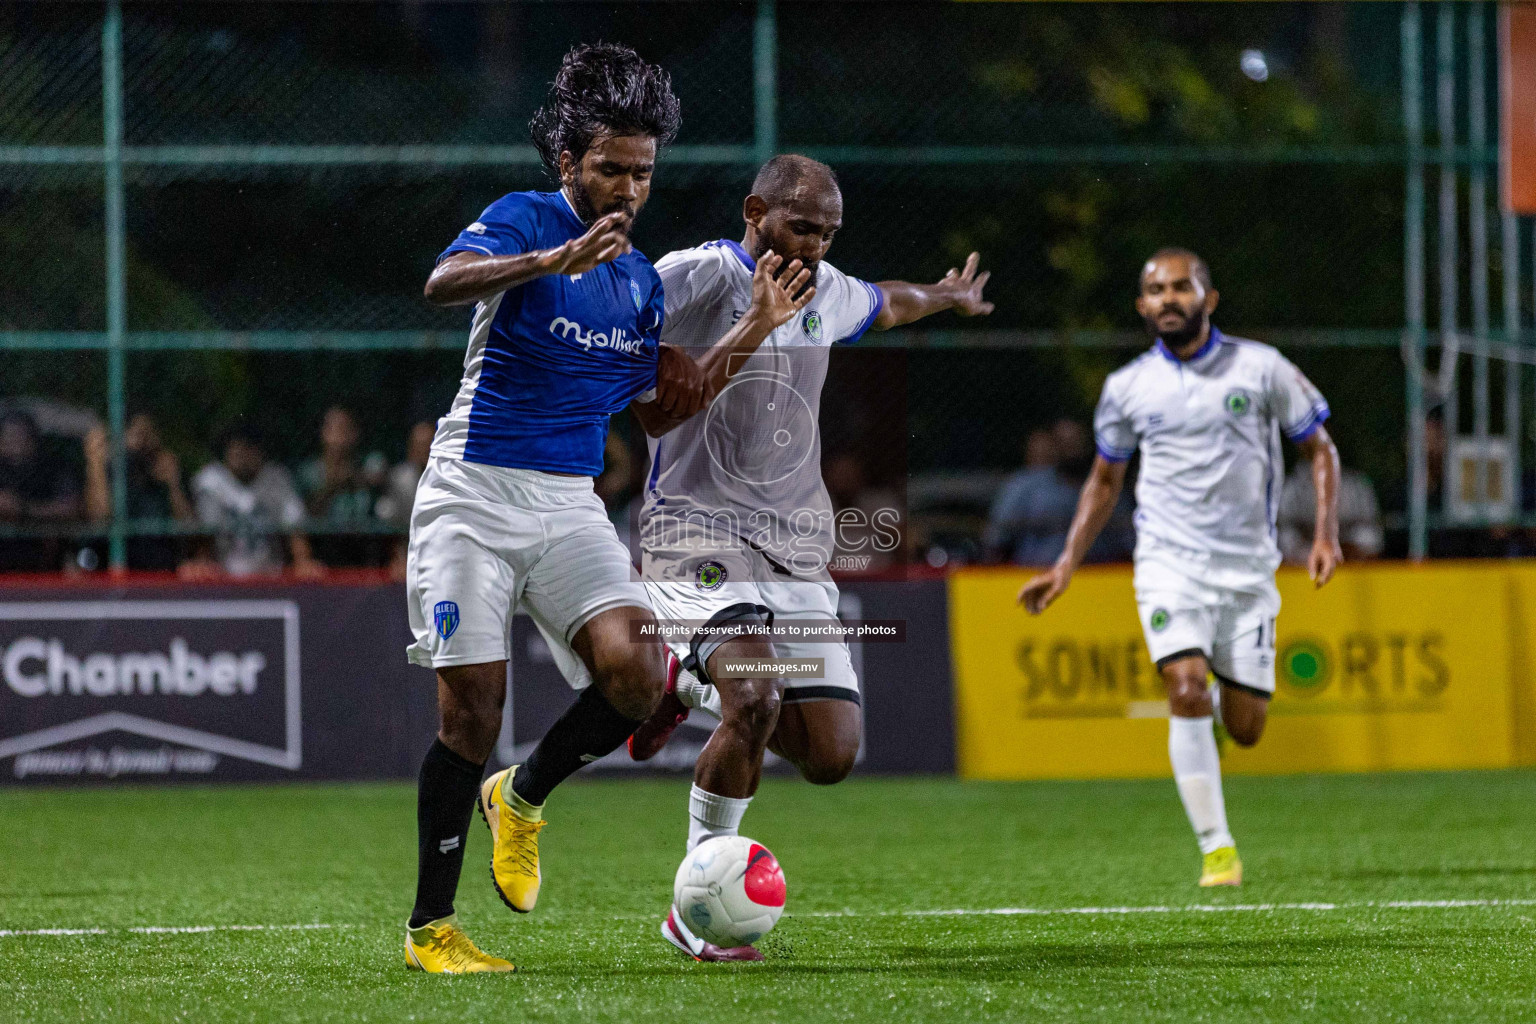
[{"x": 550, "y": 360}]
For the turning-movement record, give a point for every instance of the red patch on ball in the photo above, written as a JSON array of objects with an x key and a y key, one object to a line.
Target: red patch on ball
[{"x": 765, "y": 879}]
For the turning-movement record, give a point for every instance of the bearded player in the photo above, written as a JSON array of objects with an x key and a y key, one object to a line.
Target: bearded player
[
  {"x": 738, "y": 526},
  {"x": 1206, "y": 412},
  {"x": 565, "y": 333}
]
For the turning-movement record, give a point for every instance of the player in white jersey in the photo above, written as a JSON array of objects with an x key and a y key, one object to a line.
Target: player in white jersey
[
  {"x": 738, "y": 526},
  {"x": 565, "y": 334},
  {"x": 1206, "y": 412}
]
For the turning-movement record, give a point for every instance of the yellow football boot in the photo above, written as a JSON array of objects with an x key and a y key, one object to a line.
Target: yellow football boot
[
  {"x": 441, "y": 947},
  {"x": 1221, "y": 867},
  {"x": 514, "y": 845}
]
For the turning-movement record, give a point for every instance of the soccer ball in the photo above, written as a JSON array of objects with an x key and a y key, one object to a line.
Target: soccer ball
[{"x": 729, "y": 891}]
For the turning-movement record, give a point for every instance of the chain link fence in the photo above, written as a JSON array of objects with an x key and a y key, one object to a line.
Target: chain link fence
[{"x": 290, "y": 171}]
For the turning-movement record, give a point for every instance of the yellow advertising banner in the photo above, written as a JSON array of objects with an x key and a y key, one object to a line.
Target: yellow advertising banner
[{"x": 1390, "y": 666}]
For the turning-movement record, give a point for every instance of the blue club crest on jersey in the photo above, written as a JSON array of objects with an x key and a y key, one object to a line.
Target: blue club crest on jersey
[
  {"x": 634, "y": 292},
  {"x": 445, "y": 617}
]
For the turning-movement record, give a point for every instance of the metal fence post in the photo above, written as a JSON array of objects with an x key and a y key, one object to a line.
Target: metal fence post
[
  {"x": 1514, "y": 370},
  {"x": 1450, "y": 320},
  {"x": 1477, "y": 218},
  {"x": 112, "y": 156},
  {"x": 1413, "y": 278},
  {"x": 765, "y": 81}
]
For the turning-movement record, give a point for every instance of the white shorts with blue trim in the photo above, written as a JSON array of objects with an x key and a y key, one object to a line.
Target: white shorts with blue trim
[
  {"x": 487, "y": 542},
  {"x": 787, "y": 599},
  {"x": 1221, "y": 607}
]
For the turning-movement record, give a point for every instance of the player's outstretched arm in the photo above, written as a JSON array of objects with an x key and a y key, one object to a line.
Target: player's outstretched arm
[
  {"x": 1326, "y": 555},
  {"x": 960, "y": 290},
  {"x": 1095, "y": 504},
  {"x": 776, "y": 298},
  {"x": 467, "y": 277}
]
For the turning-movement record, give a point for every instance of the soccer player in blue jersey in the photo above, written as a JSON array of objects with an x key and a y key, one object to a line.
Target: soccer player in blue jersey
[{"x": 565, "y": 333}]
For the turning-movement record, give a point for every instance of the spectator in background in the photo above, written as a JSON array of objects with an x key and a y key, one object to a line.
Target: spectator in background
[
  {"x": 250, "y": 503},
  {"x": 394, "y": 505},
  {"x": 339, "y": 490},
  {"x": 1033, "y": 509},
  {"x": 155, "y": 489},
  {"x": 334, "y": 484},
  {"x": 1360, "y": 531},
  {"x": 34, "y": 490},
  {"x": 871, "y": 539},
  {"x": 1002, "y": 538}
]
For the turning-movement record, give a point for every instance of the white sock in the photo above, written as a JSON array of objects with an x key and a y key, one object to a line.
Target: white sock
[
  {"x": 710, "y": 815},
  {"x": 1197, "y": 773},
  {"x": 698, "y": 695}
]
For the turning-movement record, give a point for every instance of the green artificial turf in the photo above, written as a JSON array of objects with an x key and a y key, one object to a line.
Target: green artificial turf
[{"x": 860, "y": 858}]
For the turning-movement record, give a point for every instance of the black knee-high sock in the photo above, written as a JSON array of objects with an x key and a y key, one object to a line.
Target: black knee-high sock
[
  {"x": 590, "y": 728},
  {"x": 446, "y": 789}
]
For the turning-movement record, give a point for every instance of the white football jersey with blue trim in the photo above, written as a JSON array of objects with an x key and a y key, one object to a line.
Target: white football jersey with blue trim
[
  {"x": 750, "y": 463},
  {"x": 1208, "y": 430}
]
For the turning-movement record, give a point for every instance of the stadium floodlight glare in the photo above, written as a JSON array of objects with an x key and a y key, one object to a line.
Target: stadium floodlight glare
[{"x": 1254, "y": 65}]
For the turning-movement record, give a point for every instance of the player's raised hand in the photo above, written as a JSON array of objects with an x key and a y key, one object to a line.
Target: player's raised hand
[
  {"x": 1324, "y": 561},
  {"x": 607, "y": 239},
  {"x": 966, "y": 286},
  {"x": 1038, "y": 594},
  {"x": 777, "y": 297}
]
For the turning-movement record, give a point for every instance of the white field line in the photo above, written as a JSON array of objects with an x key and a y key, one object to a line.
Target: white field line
[
  {"x": 170, "y": 929},
  {"x": 1189, "y": 908}
]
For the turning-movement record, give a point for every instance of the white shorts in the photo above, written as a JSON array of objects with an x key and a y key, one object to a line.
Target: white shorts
[
  {"x": 1193, "y": 602},
  {"x": 789, "y": 599},
  {"x": 487, "y": 542}
]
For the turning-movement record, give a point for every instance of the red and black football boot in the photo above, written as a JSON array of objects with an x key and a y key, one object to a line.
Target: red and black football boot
[
  {"x": 675, "y": 932},
  {"x": 646, "y": 742}
]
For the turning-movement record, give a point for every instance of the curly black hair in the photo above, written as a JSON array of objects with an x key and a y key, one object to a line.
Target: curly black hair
[{"x": 604, "y": 89}]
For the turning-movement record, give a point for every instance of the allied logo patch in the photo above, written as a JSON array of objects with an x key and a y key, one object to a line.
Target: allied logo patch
[
  {"x": 1237, "y": 403},
  {"x": 711, "y": 576},
  {"x": 811, "y": 324},
  {"x": 1159, "y": 620},
  {"x": 634, "y": 293},
  {"x": 445, "y": 618}
]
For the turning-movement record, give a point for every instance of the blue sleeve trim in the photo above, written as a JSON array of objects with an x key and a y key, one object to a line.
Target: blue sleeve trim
[
  {"x": 1307, "y": 427},
  {"x": 650, "y": 485},
  {"x": 877, "y": 298},
  {"x": 1109, "y": 454}
]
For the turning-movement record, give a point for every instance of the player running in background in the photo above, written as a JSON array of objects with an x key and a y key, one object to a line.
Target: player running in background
[
  {"x": 565, "y": 333},
  {"x": 1206, "y": 412},
  {"x": 738, "y": 527}
]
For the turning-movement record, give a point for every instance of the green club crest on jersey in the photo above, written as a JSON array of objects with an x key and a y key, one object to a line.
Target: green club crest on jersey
[
  {"x": 1237, "y": 403},
  {"x": 1159, "y": 620},
  {"x": 811, "y": 324},
  {"x": 711, "y": 576}
]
